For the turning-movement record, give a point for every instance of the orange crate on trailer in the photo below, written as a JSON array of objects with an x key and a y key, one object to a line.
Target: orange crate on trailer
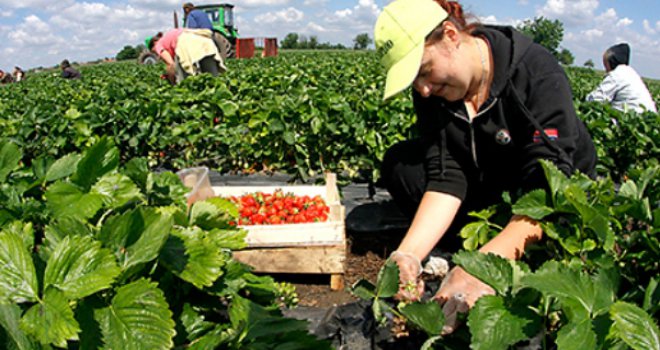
[
  {"x": 245, "y": 48},
  {"x": 270, "y": 47}
]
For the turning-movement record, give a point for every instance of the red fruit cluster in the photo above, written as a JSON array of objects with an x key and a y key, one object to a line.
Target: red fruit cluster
[{"x": 279, "y": 208}]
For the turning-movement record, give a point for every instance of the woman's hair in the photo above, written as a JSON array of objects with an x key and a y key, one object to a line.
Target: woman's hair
[
  {"x": 617, "y": 54},
  {"x": 65, "y": 64},
  {"x": 154, "y": 39},
  {"x": 456, "y": 16}
]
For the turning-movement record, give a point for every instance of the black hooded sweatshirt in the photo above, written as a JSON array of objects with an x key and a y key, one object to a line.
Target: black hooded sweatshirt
[{"x": 528, "y": 116}]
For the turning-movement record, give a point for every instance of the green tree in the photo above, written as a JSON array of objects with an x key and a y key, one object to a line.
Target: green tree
[
  {"x": 290, "y": 41},
  {"x": 545, "y": 32},
  {"x": 566, "y": 57},
  {"x": 361, "y": 41},
  {"x": 313, "y": 42},
  {"x": 127, "y": 53},
  {"x": 589, "y": 63}
]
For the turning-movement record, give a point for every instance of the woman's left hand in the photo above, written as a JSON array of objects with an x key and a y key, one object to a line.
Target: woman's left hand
[{"x": 458, "y": 293}]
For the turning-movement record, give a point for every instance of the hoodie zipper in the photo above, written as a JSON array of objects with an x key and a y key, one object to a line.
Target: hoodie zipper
[{"x": 473, "y": 142}]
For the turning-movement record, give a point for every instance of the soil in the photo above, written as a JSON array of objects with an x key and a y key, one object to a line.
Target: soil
[{"x": 366, "y": 254}]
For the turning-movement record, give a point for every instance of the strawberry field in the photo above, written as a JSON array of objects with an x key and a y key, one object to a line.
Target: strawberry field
[{"x": 99, "y": 250}]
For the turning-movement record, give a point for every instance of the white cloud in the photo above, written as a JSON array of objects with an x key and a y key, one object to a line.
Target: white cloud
[
  {"x": 256, "y": 3},
  {"x": 624, "y": 22},
  {"x": 592, "y": 34},
  {"x": 570, "y": 12},
  {"x": 289, "y": 15},
  {"x": 315, "y": 2},
  {"x": 647, "y": 27},
  {"x": 523, "y": 2},
  {"x": 315, "y": 28}
]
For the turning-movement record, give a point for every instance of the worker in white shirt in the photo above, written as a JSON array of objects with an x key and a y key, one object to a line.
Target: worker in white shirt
[{"x": 622, "y": 87}]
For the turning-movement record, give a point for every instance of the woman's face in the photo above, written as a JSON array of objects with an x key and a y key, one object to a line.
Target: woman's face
[{"x": 441, "y": 72}]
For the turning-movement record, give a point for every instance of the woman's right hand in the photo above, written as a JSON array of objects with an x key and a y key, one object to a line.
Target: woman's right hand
[{"x": 411, "y": 287}]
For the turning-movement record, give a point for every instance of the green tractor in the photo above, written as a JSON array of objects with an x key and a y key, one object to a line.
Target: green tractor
[{"x": 224, "y": 31}]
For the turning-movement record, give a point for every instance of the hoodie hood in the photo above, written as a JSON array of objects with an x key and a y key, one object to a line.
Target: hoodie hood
[{"x": 508, "y": 47}]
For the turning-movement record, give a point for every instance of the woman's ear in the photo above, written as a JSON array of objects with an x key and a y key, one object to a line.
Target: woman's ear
[{"x": 451, "y": 34}]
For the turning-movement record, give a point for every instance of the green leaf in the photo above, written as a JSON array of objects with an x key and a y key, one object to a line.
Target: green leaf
[
  {"x": 138, "y": 318},
  {"x": 51, "y": 321},
  {"x": 652, "y": 295},
  {"x": 494, "y": 327},
  {"x": 116, "y": 190},
  {"x": 194, "y": 323},
  {"x": 557, "y": 180},
  {"x": 224, "y": 205},
  {"x": 10, "y": 156},
  {"x": 364, "y": 289},
  {"x": 194, "y": 256},
  {"x": 63, "y": 167},
  {"x": 18, "y": 278},
  {"x": 289, "y": 137},
  {"x": 598, "y": 221},
  {"x": 208, "y": 215},
  {"x": 388, "y": 280},
  {"x": 427, "y": 316},
  {"x": 24, "y": 230},
  {"x": 573, "y": 288},
  {"x": 232, "y": 239},
  {"x": 138, "y": 170},
  {"x": 10, "y": 316},
  {"x": 80, "y": 267},
  {"x": 66, "y": 199},
  {"x": 137, "y": 236},
  {"x": 229, "y": 108},
  {"x": 471, "y": 234},
  {"x": 491, "y": 269},
  {"x": 96, "y": 161},
  {"x": 166, "y": 188},
  {"x": 533, "y": 204},
  {"x": 577, "y": 336},
  {"x": 634, "y": 326},
  {"x": 428, "y": 344},
  {"x": 58, "y": 229}
]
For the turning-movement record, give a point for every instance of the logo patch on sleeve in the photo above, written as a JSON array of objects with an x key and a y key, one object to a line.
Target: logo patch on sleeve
[{"x": 553, "y": 134}]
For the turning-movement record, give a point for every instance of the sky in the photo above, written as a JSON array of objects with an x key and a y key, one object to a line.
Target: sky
[{"x": 43, "y": 32}]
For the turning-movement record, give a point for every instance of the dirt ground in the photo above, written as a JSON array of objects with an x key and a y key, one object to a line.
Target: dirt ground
[{"x": 365, "y": 256}]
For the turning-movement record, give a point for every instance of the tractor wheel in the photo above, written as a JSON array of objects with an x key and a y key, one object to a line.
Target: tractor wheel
[
  {"x": 147, "y": 57},
  {"x": 224, "y": 46}
]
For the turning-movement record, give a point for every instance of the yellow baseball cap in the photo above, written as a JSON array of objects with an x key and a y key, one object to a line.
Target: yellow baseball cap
[{"x": 400, "y": 32}]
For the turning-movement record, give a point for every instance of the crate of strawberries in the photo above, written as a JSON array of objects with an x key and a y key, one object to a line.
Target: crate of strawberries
[
  {"x": 280, "y": 216},
  {"x": 292, "y": 229}
]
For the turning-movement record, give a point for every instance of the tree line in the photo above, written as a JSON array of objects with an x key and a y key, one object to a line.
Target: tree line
[{"x": 548, "y": 33}]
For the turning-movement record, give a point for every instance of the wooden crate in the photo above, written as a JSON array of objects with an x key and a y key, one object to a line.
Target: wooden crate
[{"x": 309, "y": 248}]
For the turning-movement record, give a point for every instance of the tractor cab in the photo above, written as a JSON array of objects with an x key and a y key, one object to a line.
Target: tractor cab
[{"x": 222, "y": 18}]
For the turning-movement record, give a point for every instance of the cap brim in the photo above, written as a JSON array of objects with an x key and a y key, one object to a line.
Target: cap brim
[{"x": 403, "y": 73}]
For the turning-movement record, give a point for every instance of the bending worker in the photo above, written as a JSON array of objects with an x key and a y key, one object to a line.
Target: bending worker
[
  {"x": 622, "y": 86},
  {"x": 490, "y": 104},
  {"x": 187, "y": 52}
]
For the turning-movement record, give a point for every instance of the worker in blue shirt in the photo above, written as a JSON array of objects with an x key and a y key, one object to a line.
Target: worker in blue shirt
[{"x": 196, "y": 19}]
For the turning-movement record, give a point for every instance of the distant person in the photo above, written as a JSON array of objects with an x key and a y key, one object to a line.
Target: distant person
[
  {"x": 187, "y": 52},
  {"x": 5, "y": 78},
  {"x": 18, "y": 74},
  {"x": 622, "y": 87},
  {"x": 69, "y": 72},
  {"x": 196, "y": 19}
]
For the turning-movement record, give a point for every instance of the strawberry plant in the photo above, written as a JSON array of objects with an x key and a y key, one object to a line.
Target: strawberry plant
[
  {"x": 592, "y": 283},
  {"x": 98, "y": 255}
]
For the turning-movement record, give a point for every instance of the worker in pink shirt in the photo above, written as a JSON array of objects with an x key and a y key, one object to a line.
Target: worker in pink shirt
[{"x": 187, "y": 52}]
